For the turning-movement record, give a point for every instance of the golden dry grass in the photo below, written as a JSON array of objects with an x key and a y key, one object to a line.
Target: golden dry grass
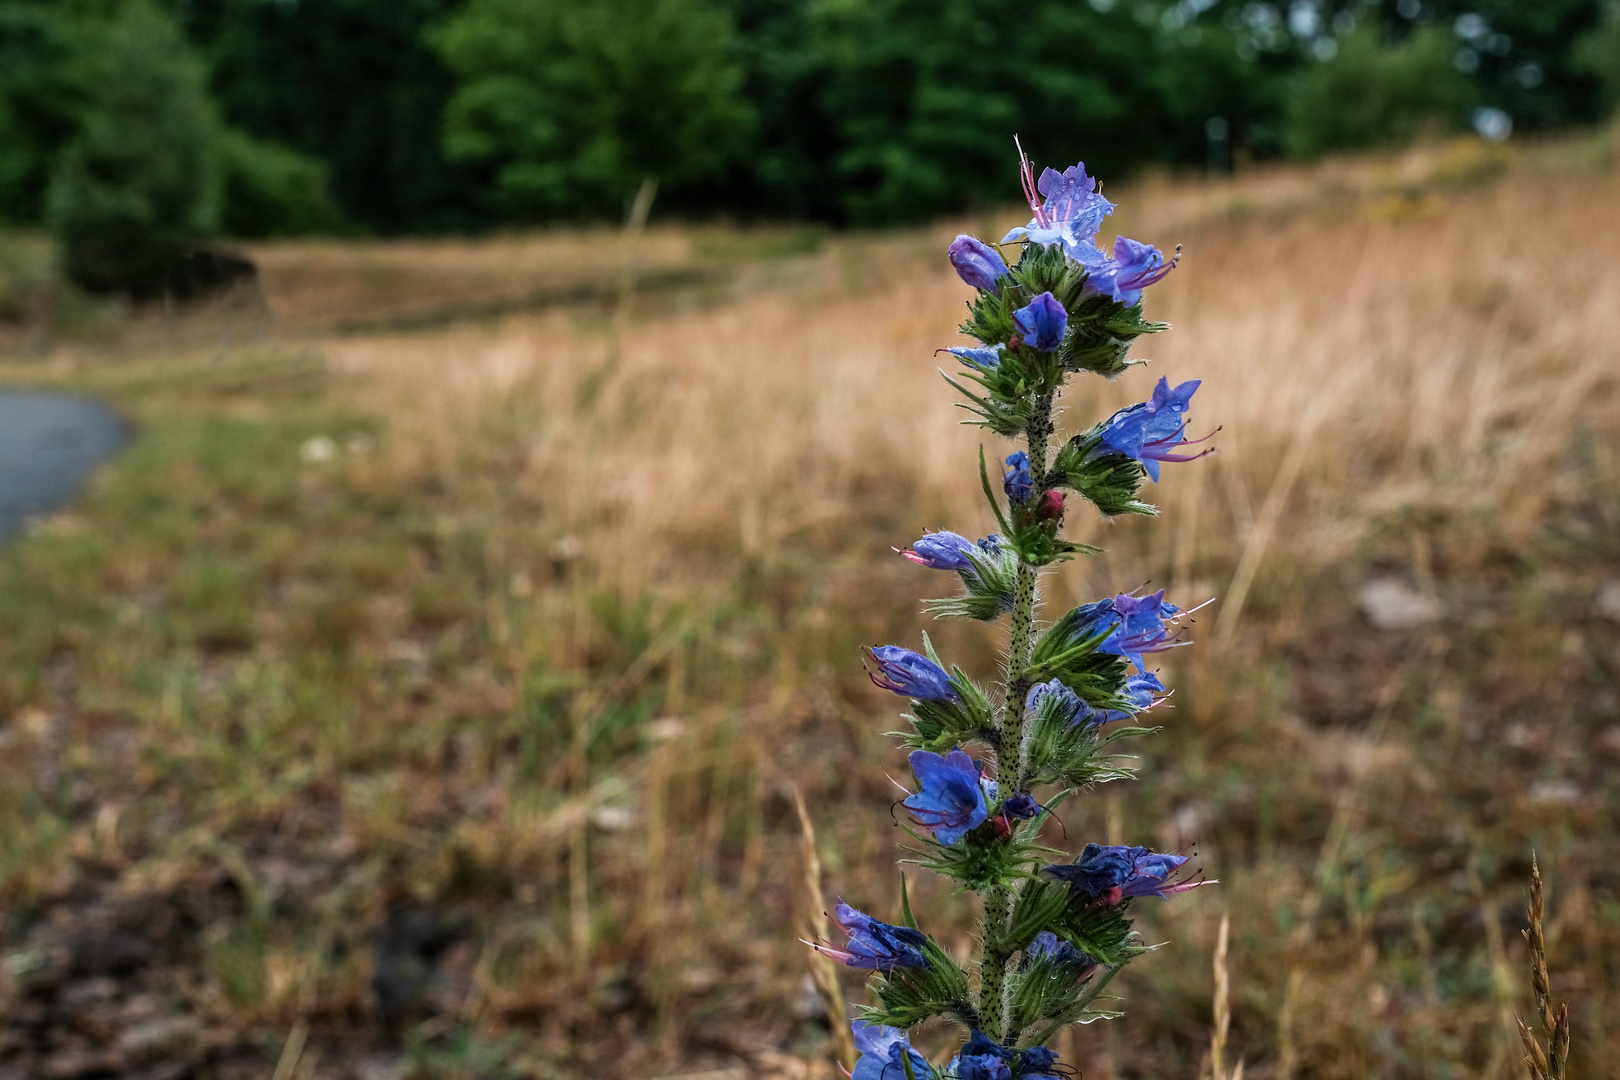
[{"x": 548, "y": 649}]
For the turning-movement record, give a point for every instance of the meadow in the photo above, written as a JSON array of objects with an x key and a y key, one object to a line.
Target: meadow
[{"x": 429, "y": 689}]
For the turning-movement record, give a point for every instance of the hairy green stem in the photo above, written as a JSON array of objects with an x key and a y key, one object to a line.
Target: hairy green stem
[{"x": 1012, "y": 752}]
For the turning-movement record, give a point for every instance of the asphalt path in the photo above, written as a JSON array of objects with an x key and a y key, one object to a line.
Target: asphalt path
[{"x": 49, "y": 446}]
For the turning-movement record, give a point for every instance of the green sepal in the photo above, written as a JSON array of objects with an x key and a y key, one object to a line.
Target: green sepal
[
  {"x": 1108, "y": 480},
  {"x": 1098, "y": 677},
  {"x": 1101, "y": 331},
  {"x": 1011, "y": 390},
  {"x": 991, "y": 315},
  {"x": 1102, "y": 931},
  {"x": 941, "y": 725},
  {"x": 981, "y": 860},
  {"x": 990, "y": 495},
  {"x": 1039, "y": 904},
  {"x": 1046, "y": 268},
  {"x": 1073, "y": 754},
  {"x": 990, "y": 588},
  {"x": 911, "y": 995},
  {"x": 1045, "y": 990}
]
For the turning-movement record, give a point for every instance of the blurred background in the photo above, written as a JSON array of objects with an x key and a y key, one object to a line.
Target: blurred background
[{"x": 507, "y": 411}]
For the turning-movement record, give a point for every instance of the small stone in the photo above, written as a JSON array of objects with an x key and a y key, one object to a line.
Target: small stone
[
  {"x": 1555, "y": 793},
  {"x": 1607, "y": 601},
  {"x": 615, "y": 818},
  {"x": 317, "y": 450},
  {"x": 1391, "y": 604}
]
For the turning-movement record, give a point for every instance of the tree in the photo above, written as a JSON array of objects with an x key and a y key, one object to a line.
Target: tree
[
  {"x": 140, "y": 176},
  {"x": 574, "y": 104},
  {"x": 352, "y": 83}
]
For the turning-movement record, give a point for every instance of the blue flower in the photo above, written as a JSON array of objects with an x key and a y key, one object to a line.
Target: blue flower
[
  {"x": 1139, "y": 691},
  {"x": 982, "y": 1059},
  {"x": 987, "y": 358},
  {"x": 1133, "y": 268},
  {"x": 876, "y": 946},
  {"x": 1041, "y": 322},
  {"x": 952, "y": 801},
  {"x": 1111, "y": 874},
  {"x": 1146, "y": 626},
  {"x": 1037, "y": 1063},
  {"x": 1017, "y": 482},
  {"x": 883, "y": 1051},
  {"x": 908, "y": 673},
  {"x": 1021, "y": 806},
  {"x": 1151, "y": 431},
  {"x": 1069, "y": 704},
  {"x": 942, "y": 551},
  {"x": 979, "y": 264},
  {"x": 1071, "y": 214},
  {"x": 1135, "y": 625},
  {"x": 1048, "y": 946}
]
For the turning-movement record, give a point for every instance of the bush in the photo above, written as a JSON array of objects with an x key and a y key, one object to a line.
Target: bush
[
  {"x": 141, "y": 176},
  {"x": 1372, "y": 94},
  {"x": 273, "y": 191}
]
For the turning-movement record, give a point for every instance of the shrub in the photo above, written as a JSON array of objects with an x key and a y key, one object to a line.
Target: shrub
[
  {"x": 1371, "y": 94},
  {"x": 270, "y": 190}
]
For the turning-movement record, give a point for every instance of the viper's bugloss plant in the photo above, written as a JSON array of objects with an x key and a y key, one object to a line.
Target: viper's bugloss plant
[{"x": 991, "y": 766}]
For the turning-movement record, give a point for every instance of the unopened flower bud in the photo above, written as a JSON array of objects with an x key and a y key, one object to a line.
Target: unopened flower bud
[
  {"x": 979, "y": 264},
  {"x": 1050, "y": 508}
]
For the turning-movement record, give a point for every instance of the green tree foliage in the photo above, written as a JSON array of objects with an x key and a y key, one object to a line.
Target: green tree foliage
[
  {"x": 1521, "y": 56},
  {"x": 1370, "y": 94},
  {"x": 575, "y": 104},
  {"x": 1598, "y": 54},
  {"x": 140, "y": 175},
  {"x": 38, "y": 103},
  {"x": 926, "y": 93},
  {"x": 352, "y": 83},
  {"x": 453, "y": 114},
  {"x": 273, "y": 191},
  {"x": 112, "y": 139}
]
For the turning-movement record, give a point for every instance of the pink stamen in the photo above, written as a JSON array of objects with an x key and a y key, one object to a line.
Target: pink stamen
[{"x": 1031, "y": 193}]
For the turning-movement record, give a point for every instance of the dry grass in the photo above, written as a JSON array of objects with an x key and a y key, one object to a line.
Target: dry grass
[{"x": 525, "y": 678}]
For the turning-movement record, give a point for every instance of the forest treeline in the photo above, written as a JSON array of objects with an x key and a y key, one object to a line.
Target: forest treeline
[{"x": 133, "y": 127}]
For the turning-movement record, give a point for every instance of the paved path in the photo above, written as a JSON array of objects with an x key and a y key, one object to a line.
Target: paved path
[{"x": 49, "y": 445}]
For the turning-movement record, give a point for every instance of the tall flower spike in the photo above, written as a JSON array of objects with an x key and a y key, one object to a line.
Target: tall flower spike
[{"x": 1030, "y": 327}]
